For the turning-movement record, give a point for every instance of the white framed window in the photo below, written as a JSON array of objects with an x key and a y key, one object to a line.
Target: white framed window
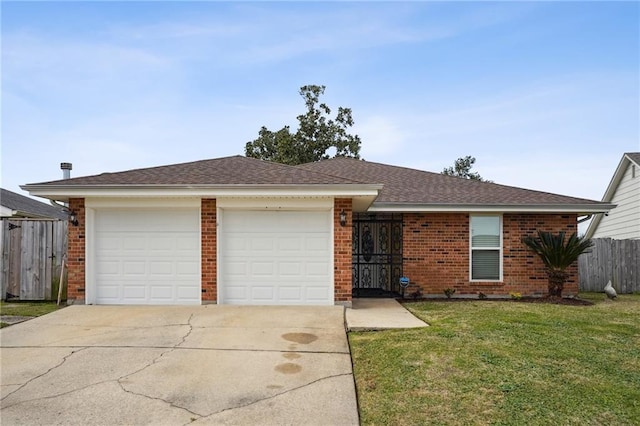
[{"x": 485, "y": 248}]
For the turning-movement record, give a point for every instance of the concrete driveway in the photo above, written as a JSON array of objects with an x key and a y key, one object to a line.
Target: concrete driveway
[{"x": 179, "y": 365}]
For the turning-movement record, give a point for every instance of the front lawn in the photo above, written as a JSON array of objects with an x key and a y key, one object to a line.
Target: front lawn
[
  {"x": 26, "y": 309},
  {"x": 486, "y": 362}
]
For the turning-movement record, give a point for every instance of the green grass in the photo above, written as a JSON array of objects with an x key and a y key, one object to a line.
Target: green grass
[
  {"x": 27, "y": 309},
  {"x": 504, "y": 363}
]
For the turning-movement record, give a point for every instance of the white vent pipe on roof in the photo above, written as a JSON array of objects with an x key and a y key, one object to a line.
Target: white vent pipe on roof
[
  {"x": 66, "y": 174},
  {"x": 66, "y": 170}
]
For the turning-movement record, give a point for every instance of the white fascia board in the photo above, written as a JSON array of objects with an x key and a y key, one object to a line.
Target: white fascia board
[
  {"x": 593, "y": 225},
  {"x": 617, "y": 177},
  {"x": 450, "y": 208},
  {"x": 63, "y": 192}
]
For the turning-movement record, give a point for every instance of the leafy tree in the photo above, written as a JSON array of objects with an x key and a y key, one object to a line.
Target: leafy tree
[
  {"x": 557, "y": 255},
  {"x": 316, "y": 135},
  {"x": 462, "y": 168}
]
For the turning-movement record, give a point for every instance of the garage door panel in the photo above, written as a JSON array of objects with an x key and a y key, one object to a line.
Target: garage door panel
[
  {"x": 290, "y": 269},
  {"x": 261, "y": 244},
  {"x": 106, "y": 267},
  {"x": 161, "y": 269},
  {"x": 262, "y": 269},
  {"x": 262, "y": 293},
  {"x": 187, "y": 293},
  {"x": 133, "y": 242},
  {"x": 187, "y": 269},
  {"x": 186, "y": 243},
  {"x": 274, "y": 257},
  {"x": 134, "y": 292},
  {"x": 318, "y": 270},
  {"x": 147, "y": 256},
  {"x": 290, "y": 243},
  {"x": 165, "y": 293},
  {"x": 236, "y": 243},
  {"x": 109, "y": 291},
  {"x": 160, "y": 244},
  {"x": 290, "y": 294},
  {"x": 316, "y": 243},
  {"x": 317, "y": 293},
  {"x": 236, "y": 269},
  {"x": 134, "y": 268},
  {"x": 108, "y": 243},
  {"x": 236, "y": 293}
]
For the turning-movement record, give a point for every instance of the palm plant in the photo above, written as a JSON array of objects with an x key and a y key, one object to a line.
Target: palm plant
[{"x": 557, "y": 255}]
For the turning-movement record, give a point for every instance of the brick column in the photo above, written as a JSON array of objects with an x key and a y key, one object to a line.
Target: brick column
[
  {"x": 76, "y": 254},
  {"x": 209, "y": 251},
  {"x": 342, "y": 252}
]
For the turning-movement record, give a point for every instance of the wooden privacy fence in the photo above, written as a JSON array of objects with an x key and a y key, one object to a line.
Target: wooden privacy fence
[
  {"x": 615, "y": 260},
  {"x": 32, "y": 253}
]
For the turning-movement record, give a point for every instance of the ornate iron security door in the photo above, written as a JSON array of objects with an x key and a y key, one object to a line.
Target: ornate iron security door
[{"x": 377, "y": 254}]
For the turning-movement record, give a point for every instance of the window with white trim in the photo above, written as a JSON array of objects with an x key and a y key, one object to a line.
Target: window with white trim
[{"x": 486, "y": 248}]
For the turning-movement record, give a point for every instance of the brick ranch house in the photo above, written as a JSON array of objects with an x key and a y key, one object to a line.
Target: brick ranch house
[{"x": 238, "y": 230}]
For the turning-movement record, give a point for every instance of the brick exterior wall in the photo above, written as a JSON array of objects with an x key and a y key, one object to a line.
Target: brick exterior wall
[
  {"x": 436, "y": 254},
  {"x": 342, "y": 249},
  {"x": 209, "y": 253},
  {"x": 76, "y": 254}
]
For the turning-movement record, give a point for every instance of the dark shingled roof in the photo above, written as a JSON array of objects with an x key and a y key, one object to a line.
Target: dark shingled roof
[
  {"x": 402, "y": 186},
  {"x": 236, "y": 170},
  {"x": 409, "y": 186},
  {"x": 635, "y": 156},
  {"x": 28, "y": 207}
]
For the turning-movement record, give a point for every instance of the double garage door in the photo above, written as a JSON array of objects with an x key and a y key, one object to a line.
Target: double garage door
[{"x": 152, "y": 256}]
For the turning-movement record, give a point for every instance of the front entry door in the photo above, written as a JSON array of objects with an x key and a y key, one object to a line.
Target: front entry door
[{"x": 377, "y": 254}]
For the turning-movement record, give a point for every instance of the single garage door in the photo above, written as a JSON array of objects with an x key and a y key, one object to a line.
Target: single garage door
[
  {"x": 276, "y": 258},
  {"x": 147, "y": 256}
]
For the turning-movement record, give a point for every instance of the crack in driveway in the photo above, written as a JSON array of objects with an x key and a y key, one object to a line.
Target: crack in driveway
[
  {"x": 257, "y": 401},
  {"x": 77, "y": 349},
  {"x": 154, "y": 361},
  {"x": 64, "y": 359}
]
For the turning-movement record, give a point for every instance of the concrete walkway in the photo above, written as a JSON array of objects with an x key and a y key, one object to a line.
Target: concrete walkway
[{"x": 380, "y": 314}]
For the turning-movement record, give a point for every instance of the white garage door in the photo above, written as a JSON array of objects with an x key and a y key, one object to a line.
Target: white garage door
[
  {"x": 276, "y": 258},
  {"x": 147, "y": 256}
]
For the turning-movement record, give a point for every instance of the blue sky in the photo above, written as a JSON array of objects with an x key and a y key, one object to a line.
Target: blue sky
[{"x": 545, "y": 95}]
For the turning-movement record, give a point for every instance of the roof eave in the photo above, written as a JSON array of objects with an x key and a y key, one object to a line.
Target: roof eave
[
  {"x": 65, "y": 192},
  {"x": 580, "y": 209},
  {"x": 30, "y": 215}
]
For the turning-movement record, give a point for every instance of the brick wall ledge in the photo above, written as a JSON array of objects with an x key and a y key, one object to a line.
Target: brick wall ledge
[{"x": 486, "y": 284}]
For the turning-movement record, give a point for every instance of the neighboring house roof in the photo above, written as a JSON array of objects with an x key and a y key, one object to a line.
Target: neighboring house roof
[
  {"x": 21, "y": 206},
  {"x": 389, "y": 188},
  {"x": 410, "y": 189},
  {"x": 628, "y": 158}
]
